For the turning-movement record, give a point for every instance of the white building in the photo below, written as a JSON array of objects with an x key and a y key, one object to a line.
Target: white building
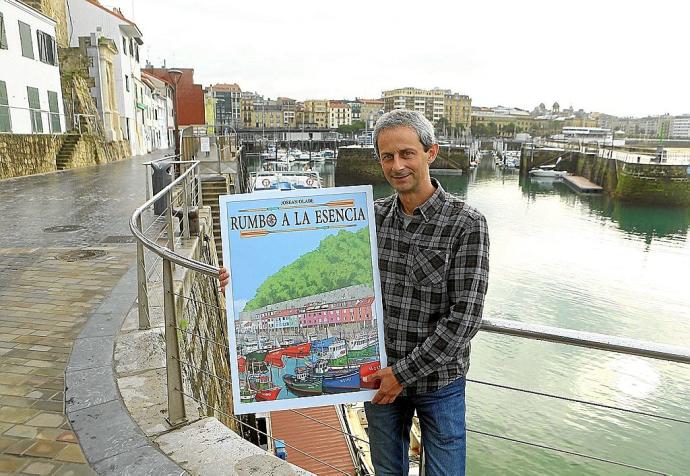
[
  {"x": 161, "y": 112},
  {"x": 30, "y": 93},
  {"x": 89, "y": 17},
  {"x": 339, "y": 113},
  {"x": 680, "y": 127}
]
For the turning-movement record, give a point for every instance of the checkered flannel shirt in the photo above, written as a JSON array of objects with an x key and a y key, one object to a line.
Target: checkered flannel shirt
[{"x": 434, "y": 276}]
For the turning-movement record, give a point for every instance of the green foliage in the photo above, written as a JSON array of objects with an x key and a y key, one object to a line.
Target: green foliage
[{"x": 340, "y": 260}]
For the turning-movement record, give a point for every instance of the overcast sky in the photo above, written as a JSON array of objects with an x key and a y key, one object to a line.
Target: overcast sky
[{"x": 619, "y": 57}]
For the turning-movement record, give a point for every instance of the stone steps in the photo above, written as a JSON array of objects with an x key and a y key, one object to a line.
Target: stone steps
[
  {"x": 211, "y": 190},
  {"x": 66, "y": 152}
]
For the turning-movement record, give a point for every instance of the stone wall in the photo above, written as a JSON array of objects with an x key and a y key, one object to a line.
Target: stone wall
[
  {"x": 55, "y": 9},
  {"x": 203, "y": 338},
  {"x": 28, "y": 154}
]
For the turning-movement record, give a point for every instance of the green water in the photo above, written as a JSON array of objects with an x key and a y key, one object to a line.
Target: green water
[{"x": 588, "y": 263}]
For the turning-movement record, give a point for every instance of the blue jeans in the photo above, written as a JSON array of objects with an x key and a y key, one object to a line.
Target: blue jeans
[{"x": 442, "y": 421}]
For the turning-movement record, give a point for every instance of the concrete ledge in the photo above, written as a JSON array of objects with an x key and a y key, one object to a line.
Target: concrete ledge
[{"x": 112, "y": 442}]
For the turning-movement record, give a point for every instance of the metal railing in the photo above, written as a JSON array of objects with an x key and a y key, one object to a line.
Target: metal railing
[
  {"x": 26, "y": 120},
  {"x": 155, "y": 235}
]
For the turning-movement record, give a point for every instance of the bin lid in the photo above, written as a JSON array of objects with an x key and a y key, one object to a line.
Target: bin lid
[{"x": 161, "y": 165}]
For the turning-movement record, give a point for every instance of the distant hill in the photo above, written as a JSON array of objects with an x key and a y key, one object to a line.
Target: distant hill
[{"x": 340, "y": 260}]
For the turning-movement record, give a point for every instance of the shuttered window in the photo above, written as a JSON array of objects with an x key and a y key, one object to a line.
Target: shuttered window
[
  {"x": 5, "y": 119},
  {"x": 55, "y": 126},
  {"x": 46, "y": 48},
  {"x": 3, "y": 33},
  {"x": 25, "y": 38},
  {"x": 35, "y": 109}
]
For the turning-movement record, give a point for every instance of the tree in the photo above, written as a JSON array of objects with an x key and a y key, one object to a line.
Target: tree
[{"x": 442, "y": 124}]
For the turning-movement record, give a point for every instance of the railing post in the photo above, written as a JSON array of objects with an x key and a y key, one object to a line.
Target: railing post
[
  {"x": 199, "y": 197},
  {"x": 148, "y": 177},
  {"x": 176, "y": 409},
  {"x": 169, "y": 224},
  {"x": 142, "y": 291},
  {"x": 185, "y": 205}
]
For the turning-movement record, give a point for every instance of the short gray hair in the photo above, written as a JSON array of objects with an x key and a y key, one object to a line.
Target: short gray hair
[{"x": 402, "y": 118}]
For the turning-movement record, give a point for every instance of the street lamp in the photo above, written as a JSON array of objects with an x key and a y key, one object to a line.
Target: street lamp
[{"x": 175, "y": 75}]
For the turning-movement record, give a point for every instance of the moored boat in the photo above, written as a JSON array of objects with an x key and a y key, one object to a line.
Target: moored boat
[
  {"x": 267, "y": 394},
  {"x": 275, "y": 358},
  {"x": 547, "y": 171},
  {"x": 366, "y": 370},
  {"x": 340, "y": 381},
  {"x": 303, "y": 384},
  {"x": 298, "y": 350}
]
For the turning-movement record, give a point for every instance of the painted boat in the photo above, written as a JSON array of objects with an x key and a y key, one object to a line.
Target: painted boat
[
  {"x": 366, "y": 370},
  {"x": 247, "y": 395},
  {"x": 341, "y": 381},
  {"x": 303, "y": 384},
  {"x": 268, "y": 394},
  {"x": 275, "y": 358},
  {"x": 257, "y": 355},
  {"x": 241, "y": 364},
  {"x": 298, "y": 350},
  {"x": 319, "y": 346}
]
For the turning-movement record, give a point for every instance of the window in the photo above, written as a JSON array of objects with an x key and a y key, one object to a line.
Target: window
[
  {"x": 3, "y": 33},
  {"x": 46, "y": 48},
  {"x": 124, "y": 45},
  {"x": 136, "y": 52},
  {"x": 131, "y": 48},
  {"x": 25, "y": 37},
  {"x": 126, "y": 82},
  {"x": 55, "y": 126},
  {"x": 35, "y": 109},
  {"x": 5, "y": 120}
]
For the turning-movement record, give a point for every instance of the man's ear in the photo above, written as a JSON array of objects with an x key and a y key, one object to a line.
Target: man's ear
[{"x": 433, "y": 152}]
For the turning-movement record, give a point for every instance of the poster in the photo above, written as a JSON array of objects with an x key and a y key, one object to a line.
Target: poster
[
  {"x": 304, "y": 308},
  {"x": 205, "y": 144}
]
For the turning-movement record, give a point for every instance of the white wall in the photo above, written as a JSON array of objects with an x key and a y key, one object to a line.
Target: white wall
[
  {"x": 19, "y": 72},
  {"x": 86, "y": 18}
]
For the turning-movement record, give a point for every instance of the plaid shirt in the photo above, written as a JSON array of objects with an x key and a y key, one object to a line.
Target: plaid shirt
[{"x": 434, "y": 276}]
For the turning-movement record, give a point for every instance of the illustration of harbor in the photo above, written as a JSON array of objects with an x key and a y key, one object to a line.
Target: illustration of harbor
[{"x": 309, "y": 350}]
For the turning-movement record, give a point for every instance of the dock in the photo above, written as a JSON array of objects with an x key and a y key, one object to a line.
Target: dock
[{"x": 581, "y": 184}]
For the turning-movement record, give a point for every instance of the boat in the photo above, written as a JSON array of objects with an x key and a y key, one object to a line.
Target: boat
[
  {"x": 303, "y": 384},
  {"x": 274, "y": 358},
  {"x": 241, "y": 363},
  {"x": 268, "y": 394},
  {"x": 320, "y": 346},
  {"x": 298, "y": 350},
  {"x": 366, "y": 370},
  {"x": 257, "y": 355},
  {"x": 328, "y": 154},
  {"x": 547, "y": 171},
  {"x": 361, "y": 346},
  {"x": 341, "y": 381},
  {"x": 284, "y": 180},
  {"x": 247, "y": 394}
]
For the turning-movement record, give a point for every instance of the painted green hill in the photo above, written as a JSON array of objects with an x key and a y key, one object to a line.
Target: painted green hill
[{"x": 340, "y": 260}]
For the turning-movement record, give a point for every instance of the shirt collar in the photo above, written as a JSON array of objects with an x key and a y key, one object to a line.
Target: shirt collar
[{"x": 428, "y": 208}]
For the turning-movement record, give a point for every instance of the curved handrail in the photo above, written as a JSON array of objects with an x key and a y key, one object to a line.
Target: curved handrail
[{"x": 162, "y": 251}]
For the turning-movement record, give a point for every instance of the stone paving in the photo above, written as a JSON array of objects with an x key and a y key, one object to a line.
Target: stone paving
[{"x": 50, "y": 281}]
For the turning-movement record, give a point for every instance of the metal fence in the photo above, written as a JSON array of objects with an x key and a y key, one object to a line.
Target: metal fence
[
  {"x": 25, "y": 120},
  {"x": 157, "y": 257}
]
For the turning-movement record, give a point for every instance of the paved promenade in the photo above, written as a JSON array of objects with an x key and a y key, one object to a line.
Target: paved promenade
[{"x": 63, "y": 247}]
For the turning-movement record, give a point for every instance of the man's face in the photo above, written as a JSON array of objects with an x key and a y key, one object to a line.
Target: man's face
[{"x": 403, "y": 160}]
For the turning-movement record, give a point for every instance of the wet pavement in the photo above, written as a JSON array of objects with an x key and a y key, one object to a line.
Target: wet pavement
[{"x": 65, "y": 245}]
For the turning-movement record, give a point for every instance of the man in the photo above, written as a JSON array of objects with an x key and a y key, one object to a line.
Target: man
[{"x": 434, "y": 262}]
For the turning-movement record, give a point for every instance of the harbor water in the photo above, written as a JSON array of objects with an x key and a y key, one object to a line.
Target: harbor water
[{"x": 589, "y": 263}]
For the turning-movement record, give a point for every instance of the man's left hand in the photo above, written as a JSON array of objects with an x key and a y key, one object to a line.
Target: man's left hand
[{"x": 390, "y": 387}]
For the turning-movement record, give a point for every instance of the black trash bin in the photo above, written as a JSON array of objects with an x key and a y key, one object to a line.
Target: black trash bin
[{"x": 161, "y": 178}]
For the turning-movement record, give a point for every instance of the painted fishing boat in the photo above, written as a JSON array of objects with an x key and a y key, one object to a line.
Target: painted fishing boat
[
  {"x": 303, "y": 384},
  {"x": 268, "y": 394},
  {"x": 341, "y": 381},
  {"x": 275, "y": 358},
  {"x": 241, "y": 363},
  {"x": 247, "y": 394},
  {"x": 320, "y": 346},
  {"x": 298, "y": 350},
  {"x": 366, "y": 370},
  {"x": 257, "y": 355},
  {"x": 361, "y": 347}
]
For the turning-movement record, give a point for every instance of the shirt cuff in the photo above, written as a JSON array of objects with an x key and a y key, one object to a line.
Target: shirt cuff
[{"x": 403, "y": 373}]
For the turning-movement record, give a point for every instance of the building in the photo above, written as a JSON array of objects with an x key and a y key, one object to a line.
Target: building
[
  {"x": 502, "y": 121},
  {"x": 160, "y": 119},
  {"x": 227, "y": 100},
  {"x": 89, "y": 17},
  {"x": 316, "y": 113},
  {"x": 339, "y": 114},
  {"x": 680, "y": 127},
  {"x": 30, "y": 91},
  {"x": 289, "y": 108},
  {"x": 190, "y": 96},
  {"x": 431, "y": 103},
  {"x": 369, "y": 111},
  {"x": 457, "y": 110}
]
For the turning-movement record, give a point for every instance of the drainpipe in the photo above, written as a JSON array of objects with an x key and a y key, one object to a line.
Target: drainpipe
[{"x": 95, "y": 38}]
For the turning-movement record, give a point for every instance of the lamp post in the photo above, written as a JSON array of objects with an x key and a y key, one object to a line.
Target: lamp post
[{"x": 175, "y": 75}]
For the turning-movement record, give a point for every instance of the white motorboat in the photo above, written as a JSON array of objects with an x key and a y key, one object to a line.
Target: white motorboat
[
  {"x": 547, "y": 171},
  {"x": 284, "y": 180}
]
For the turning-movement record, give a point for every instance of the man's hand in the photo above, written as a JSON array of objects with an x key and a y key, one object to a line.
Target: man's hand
[
  {"x": 390, "y": 387},
  {"x": 224, "y": 278}
]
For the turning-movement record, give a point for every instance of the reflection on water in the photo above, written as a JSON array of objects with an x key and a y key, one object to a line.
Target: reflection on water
[{"x": 582, "y": 262}]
